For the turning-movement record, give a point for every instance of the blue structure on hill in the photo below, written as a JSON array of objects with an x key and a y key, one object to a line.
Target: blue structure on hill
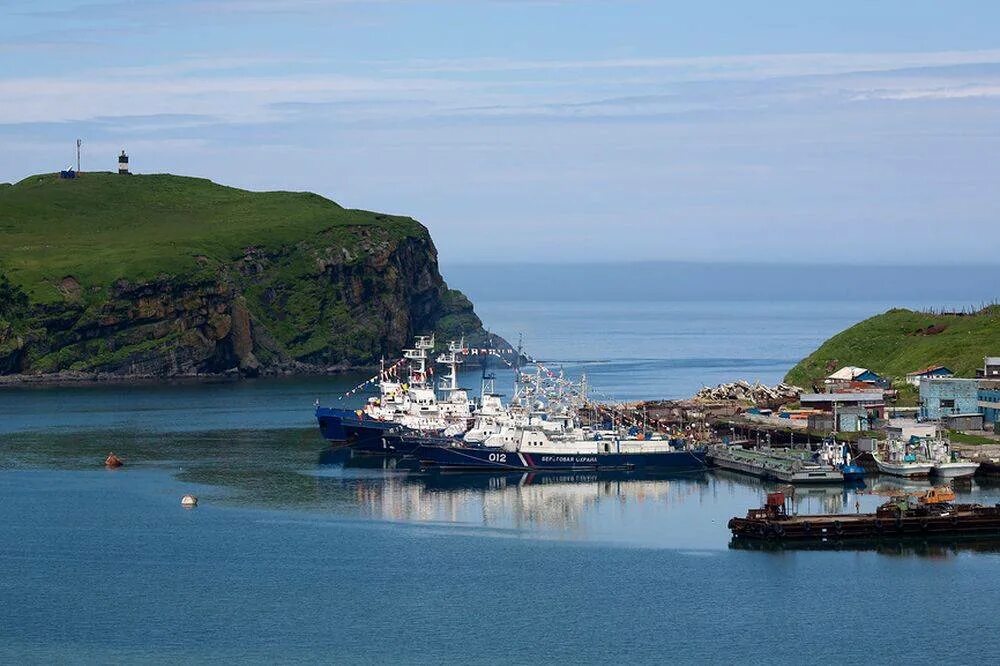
[
  {"x": 940, "y": 398},
  {"x": 989, "y": 401}
]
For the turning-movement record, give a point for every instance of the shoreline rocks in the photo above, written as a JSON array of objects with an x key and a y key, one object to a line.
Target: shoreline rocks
[{"x": 756, "y": 394}]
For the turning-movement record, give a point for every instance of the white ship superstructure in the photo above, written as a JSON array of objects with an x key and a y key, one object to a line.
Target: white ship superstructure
[
  {"x": 540, "y": 402},
  {"x": 413, "y": 403}
]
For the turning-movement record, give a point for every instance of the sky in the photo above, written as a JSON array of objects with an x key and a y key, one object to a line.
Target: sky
[{"x": 544, "y": 131}]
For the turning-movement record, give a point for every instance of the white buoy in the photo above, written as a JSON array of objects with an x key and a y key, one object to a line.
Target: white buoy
[{"x": 189, "y": 501}]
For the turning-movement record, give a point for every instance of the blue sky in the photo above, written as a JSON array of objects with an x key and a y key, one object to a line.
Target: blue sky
[{"x": 556, "y": 130}]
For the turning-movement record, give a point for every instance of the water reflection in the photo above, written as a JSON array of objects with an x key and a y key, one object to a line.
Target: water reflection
[
  {"x": 285, "y": 470},
  {"x": 677, "y": 511},
  {"x": 934, "y": 548},
  {"x": 557, "y": 501}
]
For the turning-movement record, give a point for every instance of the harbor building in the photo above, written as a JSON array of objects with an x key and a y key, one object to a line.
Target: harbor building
[
  {"x": 856, "y": 418},
  {"x": 991, "y": 368},
  {"x": 989, "y": 401},
  {"x": 848, "y": 412},
  {"x": 854, "y": 378},
  {"x": 947, "y": 399},
  {"x": 933, "y": 371},
  {"x": 904, "y": 429}
]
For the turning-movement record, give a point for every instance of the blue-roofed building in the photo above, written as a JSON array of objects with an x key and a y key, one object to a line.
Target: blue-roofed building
[
  {"x": 945, "y": 397},
  {"x": 938, "y": 371},
  {"x": 854, "y": 375}
]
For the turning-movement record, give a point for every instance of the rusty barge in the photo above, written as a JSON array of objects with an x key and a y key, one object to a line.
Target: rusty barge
[{"x": 933, "y": 515}]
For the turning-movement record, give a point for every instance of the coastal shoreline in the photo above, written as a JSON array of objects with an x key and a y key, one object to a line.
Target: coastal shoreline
[
  {"x": 104, "y": 379},
  {"x": 73, "y": 378}
]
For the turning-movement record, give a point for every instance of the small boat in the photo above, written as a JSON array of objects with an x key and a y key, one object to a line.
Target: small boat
[
  {"x": 113, "y": 461},
  {"x": 955, "y": 469},
  {"x": 897, "y": 460},
  {"x": 907, "y": 468},
  {"x": 947, "y": 463},
  {"x": 839, "y": 455}
]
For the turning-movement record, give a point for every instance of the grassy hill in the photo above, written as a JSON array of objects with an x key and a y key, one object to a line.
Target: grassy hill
[
  {"x": 103, "y": 226},
  {"x": 162, "y": 275},
  {"x": 901, "y": 341}
]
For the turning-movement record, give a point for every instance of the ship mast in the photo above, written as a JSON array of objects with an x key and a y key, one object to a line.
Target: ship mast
[
  {"x": 418, "y": 357},
  {"x": 489, "y": 379},
  {"x": 449, "y": 384}
]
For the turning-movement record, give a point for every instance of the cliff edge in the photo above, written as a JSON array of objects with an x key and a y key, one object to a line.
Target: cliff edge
[{"x": 165, "y": 276}]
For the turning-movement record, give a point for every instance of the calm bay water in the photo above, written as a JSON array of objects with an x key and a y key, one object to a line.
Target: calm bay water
[{"x": 298, "y": 553}]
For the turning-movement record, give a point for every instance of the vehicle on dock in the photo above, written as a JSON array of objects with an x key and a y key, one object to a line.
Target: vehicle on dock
[
  {"x": 900, "y": 517},
  {"x": 772, "y": 464}
]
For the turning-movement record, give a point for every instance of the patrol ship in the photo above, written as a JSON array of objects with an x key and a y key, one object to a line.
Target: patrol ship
[
  {"x": 531, "y": 448},
  {"x": 409, "y": 406}
]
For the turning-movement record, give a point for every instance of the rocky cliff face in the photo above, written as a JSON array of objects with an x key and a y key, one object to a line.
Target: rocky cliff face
[{"x": 327, "y": 302}]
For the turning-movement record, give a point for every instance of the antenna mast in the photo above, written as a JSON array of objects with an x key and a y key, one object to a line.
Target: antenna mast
[{"x": 79, "y": 142}]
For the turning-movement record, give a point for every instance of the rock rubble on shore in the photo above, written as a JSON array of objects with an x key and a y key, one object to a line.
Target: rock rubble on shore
[{"x": 756, "y": 393}]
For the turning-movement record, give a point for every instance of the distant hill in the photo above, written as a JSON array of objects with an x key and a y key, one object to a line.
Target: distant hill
[
  {"x": 902, "y": 341},
  {"x": 163, "y": 275}
]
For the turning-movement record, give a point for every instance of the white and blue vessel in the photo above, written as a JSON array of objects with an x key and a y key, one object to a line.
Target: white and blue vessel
[
  {"x": 839, "y": 455},
  {"x": 534, "y": 449},
  {"x": 404, "y": 406}
]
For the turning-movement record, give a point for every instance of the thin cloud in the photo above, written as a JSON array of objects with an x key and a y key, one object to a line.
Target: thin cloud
[{"x": 707, "y": 67}]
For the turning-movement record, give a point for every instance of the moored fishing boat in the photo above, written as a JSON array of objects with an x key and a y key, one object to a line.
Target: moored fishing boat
[
  {"x": 839, "y": 455},
  {"x": 947, "y": 463},
  {"x": 955, "y": 469},
  {"x": 898, "y": 459},
  {"x": 906, "y": 468}
]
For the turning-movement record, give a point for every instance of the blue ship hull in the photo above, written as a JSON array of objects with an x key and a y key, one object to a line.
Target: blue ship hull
[
  {"x": 852, "y": 473},
  {"x": 365, "y": 434},
  {"x": 472, "y": 458}
]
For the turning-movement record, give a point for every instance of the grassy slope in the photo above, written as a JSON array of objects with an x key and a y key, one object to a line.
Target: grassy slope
[
  {"x": 890, "y": 345},
  {"x": 102, "y": 226}
]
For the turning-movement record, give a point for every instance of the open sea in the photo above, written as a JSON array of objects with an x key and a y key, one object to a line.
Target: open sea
[{"x": 297, "y": 553}]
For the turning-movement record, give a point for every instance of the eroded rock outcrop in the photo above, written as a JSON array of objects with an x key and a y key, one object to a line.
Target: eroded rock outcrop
[{"x": 319, "y": 305}]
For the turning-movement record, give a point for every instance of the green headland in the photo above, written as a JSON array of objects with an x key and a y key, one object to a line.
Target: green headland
[
  {"x": 901, "y": 341},
  {"x": 163, "y": 275}
]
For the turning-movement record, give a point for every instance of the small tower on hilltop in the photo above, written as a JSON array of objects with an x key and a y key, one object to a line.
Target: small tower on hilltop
[{"x": 123, "y": 164}]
